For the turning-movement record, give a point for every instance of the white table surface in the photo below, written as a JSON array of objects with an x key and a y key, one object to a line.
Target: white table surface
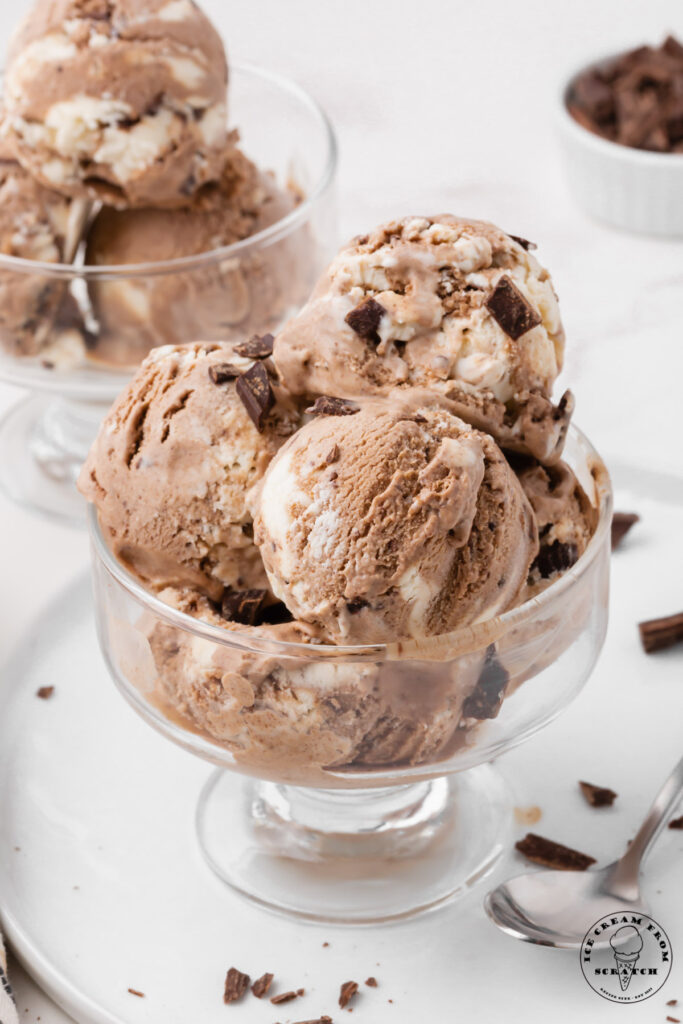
[{"x": 449, "y": 106}]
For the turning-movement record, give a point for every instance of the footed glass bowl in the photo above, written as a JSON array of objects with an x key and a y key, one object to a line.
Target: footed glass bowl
[
  {"x": 353, "y": 783},
  {"x": 73, "y": 333}
]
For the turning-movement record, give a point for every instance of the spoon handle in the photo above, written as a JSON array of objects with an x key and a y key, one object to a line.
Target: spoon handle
[{"x": 665, "y": 802}]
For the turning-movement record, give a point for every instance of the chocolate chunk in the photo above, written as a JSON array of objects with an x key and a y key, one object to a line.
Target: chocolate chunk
[
  {"x": 326, "y": 405},
  {"x": 134, "y": 992},
  {"x": 261, "y": 985},
  {"x": 621, "y": 524},
  {"x": 45, "y": 692},
  {"x": 256, "y": 394},
  {"x": 221, "y": 373},
  {"x": 365, "y": 319},
  {"x": 524, "y": 242},
  {"x": 347, "y": 992},
  {"x": 260, "y": 346},
  {"x": 356, "y": 604},
  {"x": 511, "y": 310},
  {"x": 555, "y": 557},
  {"x": 236, "y": 985},
  {"x": 243, "y": 606},
  {"x": 658, "y": 634},
  {"x": 332, "y": 455},
  {"x": 274, "y": 614},
  {"x": 598, "y": 796},
  {"x": 676, "y": 823},
  {"x": 371, "y": 982},
  {"x": 553, "y": 855},
  {"x": 487, "y": 697},
  {"x": 286, "y": 997},
  {"x": 594, "y": 96}
]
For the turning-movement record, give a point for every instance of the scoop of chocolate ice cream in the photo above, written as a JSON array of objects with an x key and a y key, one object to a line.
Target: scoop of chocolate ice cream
[
  {"x": 224, "y": 298},
  {"x": 454, "y": 305},
  {"x": 122, "y": 100},
  {"x": 565, "y": 517},
  {"x": 392, "y": 518},
  {"x": 33, "y": 226},
  {"x": 173, "y": 460}
]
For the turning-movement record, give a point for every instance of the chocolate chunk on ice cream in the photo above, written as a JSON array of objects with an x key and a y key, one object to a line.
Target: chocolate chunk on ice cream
[
  {"x": 33, "y": 226},
  {"x": 120, "y": 100},
  {"x": 172, "y": 464},
  {"x": 454, "y": 305},
  {"x": 222, "y": 299},
  {"x": 398, "y": 521}
]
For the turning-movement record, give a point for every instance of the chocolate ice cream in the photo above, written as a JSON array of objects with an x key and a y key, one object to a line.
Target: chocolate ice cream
[
  {"x": 454, "y": 305},
  {"x": 121, "y": 100},
  {"x": 174, "y": 458},
  {"x": 392, "y": 518},
  {"x": 225, "y": 299},
  {"x": 33, "y": 226}
]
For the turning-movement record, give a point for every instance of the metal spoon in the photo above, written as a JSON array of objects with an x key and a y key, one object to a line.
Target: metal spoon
[{"x": 556, "y": 908}]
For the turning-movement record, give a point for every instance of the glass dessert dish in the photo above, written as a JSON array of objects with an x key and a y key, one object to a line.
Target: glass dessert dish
[
  {"x": 108, "y": 317},
  {"x": 368, "y": 794}
]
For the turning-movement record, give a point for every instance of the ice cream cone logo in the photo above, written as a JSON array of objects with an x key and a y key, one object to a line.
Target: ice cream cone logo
[{"x": 627, "y": 944}]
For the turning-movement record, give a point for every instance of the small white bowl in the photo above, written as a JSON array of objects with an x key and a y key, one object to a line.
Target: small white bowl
[{"x": 629, "y": 188}]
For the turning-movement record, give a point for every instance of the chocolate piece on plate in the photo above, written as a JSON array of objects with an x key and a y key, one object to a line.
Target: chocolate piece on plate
[
  {"x": 621, "y": 524},
  {"x": 236, "y": 984},
  {"x": 598, "y": 796},
  {"x": 658, "y": 634},
  {"x": 551, "y": 854}
]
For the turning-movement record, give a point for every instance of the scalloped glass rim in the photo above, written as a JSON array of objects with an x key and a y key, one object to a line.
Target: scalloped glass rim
[
  {"x": 435, "y": 648},
  {"x": 268, "y": 236}
]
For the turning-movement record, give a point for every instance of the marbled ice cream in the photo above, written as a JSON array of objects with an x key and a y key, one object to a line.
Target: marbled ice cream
[
  {"x": 33, "y": 226},
  {"x": 565, "y": 516},
  {"x": 292, "y": 718},
  {"x": 227, "y": 299},
  {"x": 171, "y": 466},
  {"x": 454, "y": 305},
  {"x": 121, "y": 100},
  {"x": 392, "y": 518}
]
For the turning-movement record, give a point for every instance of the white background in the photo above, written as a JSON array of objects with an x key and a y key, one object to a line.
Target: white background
[{"x": 449, "y": 106}]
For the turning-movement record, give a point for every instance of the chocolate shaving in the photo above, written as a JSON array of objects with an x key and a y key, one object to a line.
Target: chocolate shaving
[
  {"x": 676, "y": 823},
  {"x": 371, "y": 982},
  {"x": 221, "y": 373},
  {"x": 260, "y": 346},
  {"x": 327, "y": 405},
  {"x": 318, "y": 1020},
  {"x": 553, "y": 855},
  {"x": 658, "y": 634},
  {"x": 45, "y": 692},
  {"x": 555, "y": 557},
  {"x": 598, "y": 796},
  {"x": 243, "y": 606},
  {"x": 486, "y": 699},
  {"x": 135, "y": 992},
  {"x": 236, "y": 985},
  {"x": 524, "y": 242},
  {"x": 365, "y": 319},
  {"x": 256, "y": 394},
  {"x": 286, "y": 997},
  {"x": 261, "y": 985},
  {"x": 511, "y": 310},
  {"x": 347, "y": 992},
  {"x": 621, "y": 524},
  {"x": 673, "y": 1020}
]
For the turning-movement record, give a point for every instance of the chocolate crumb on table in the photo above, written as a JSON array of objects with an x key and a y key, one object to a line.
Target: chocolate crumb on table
[
  {"x": 261, "y": 985},
  {"x": 674, "y": 1020},
  {"x": 347, "y": 992},
  {"x": 286, "y": 997},
  {"x": 598, "y": 796},
  {"x": 318, "y": 1020},
  {"x": 45, "y": 692},
  {"x": 672, "y": 1002},
  {"x": 371, "y": 982},
  {"x": 676, "y": 823},
  {"x": 658, "y": 634},
  {"x": 621, "y": 524},
  {"x": 135, "y": 992},
  {"x": 236, "y": 984},
  {"x": 551, "y": 854}
]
